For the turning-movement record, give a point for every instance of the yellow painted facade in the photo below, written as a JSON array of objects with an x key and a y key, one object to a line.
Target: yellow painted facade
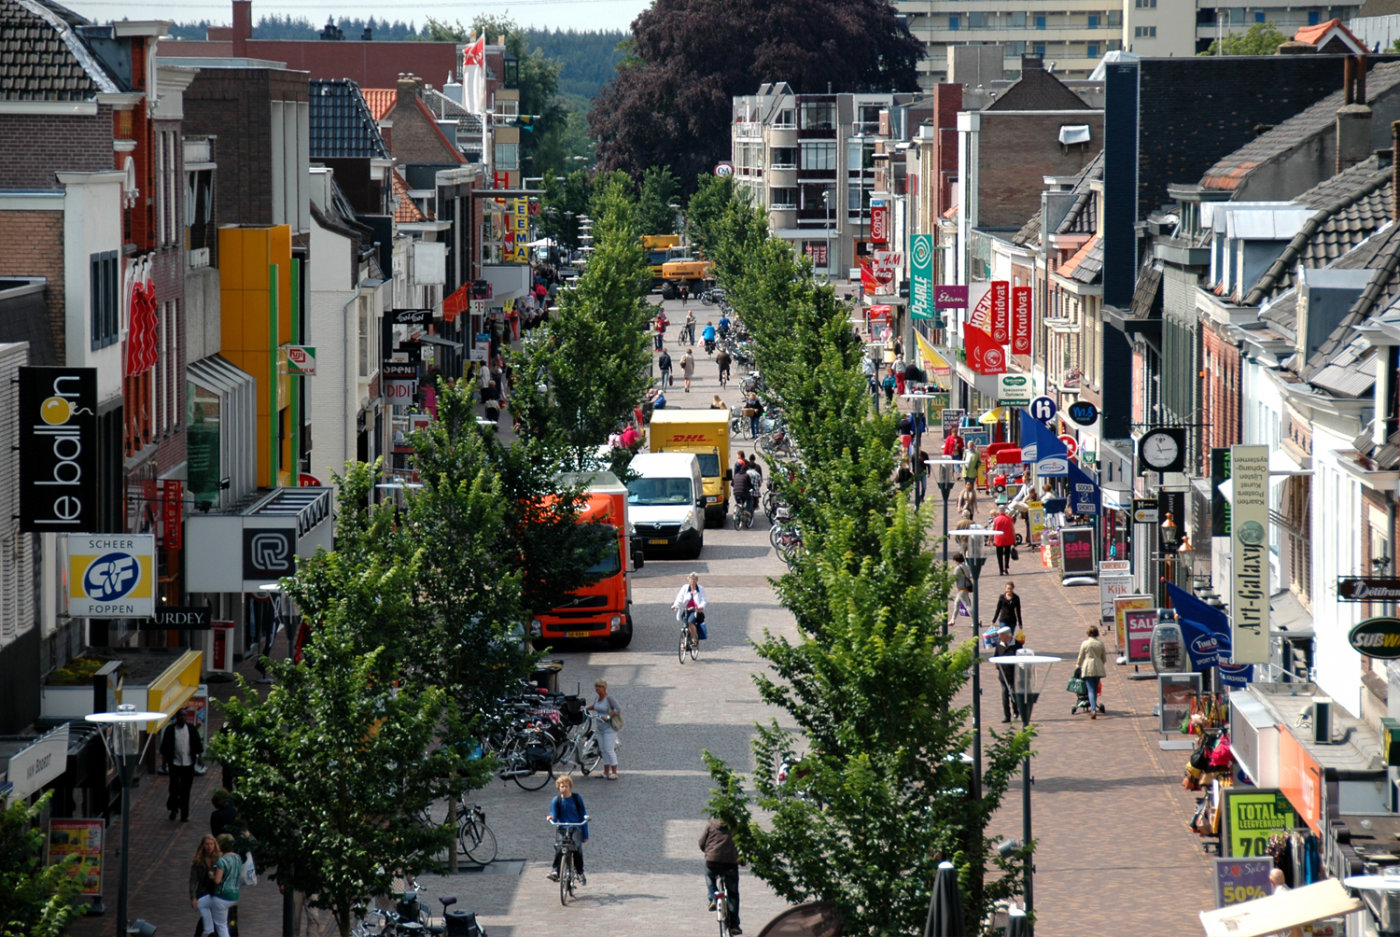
[{"x": 255, "y": 293}]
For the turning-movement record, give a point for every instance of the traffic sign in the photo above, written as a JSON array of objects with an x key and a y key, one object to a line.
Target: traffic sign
[
  {"x": 1071, "y": 444},
  {"x": 1043, "y": 409},
  {"x": 1083, "y": 413}
]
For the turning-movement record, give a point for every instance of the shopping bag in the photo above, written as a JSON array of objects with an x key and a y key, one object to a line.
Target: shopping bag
[
  {"x": 1076, "y": 686},
  {"x": 250, "y": 871},
  {"x": 700, "y": 630}
]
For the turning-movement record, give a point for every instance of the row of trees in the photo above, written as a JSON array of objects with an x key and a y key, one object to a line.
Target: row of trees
[
  {"x": 566, "y": 199},
  {"x": 418, "y": 614},
  {"x": 881, "y": 792}
]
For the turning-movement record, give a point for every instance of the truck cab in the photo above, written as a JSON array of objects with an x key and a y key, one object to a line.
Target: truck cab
[
  {"x": 603, "y": 609},
  {"x": 706, "y": 434}
]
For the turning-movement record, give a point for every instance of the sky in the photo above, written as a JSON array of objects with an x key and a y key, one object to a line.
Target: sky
[{"x": 540, "y": 14}]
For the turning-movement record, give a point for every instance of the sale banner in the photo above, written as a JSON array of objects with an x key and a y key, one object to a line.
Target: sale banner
[
  {"x": 984, "y": 353},
  {"x": 1240, "y": 880},
  {"x": 1001, "y": 311},
  {"x": 1020, "y": 320}
]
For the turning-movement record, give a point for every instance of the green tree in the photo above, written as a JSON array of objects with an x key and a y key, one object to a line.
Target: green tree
[
  {"x": 656, "y": 194},
  {"x": 335, "y": 763},
  {"x": 1259, "y": 39},
  {"x": 561, "y": 206},
  {"x": 705, "y": 210},
  {"x": 36, "y": 900}
]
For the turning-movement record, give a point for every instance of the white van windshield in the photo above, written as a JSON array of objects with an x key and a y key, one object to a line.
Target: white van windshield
[{"x": 659, "y": 491}]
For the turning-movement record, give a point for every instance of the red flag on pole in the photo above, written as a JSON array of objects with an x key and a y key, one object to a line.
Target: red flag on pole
[{"x": 867, "y": 278}]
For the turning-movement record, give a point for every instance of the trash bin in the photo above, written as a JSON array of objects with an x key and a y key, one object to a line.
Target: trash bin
[{"x": 546, "y": 675}]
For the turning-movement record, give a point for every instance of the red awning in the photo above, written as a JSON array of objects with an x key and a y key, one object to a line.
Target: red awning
[
  {"x": 1010, "y": 456},
  {"x": 879, "y": 312}
]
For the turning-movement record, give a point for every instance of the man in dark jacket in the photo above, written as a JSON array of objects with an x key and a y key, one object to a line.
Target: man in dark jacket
[
  {"x": 180, "y": 745},
  {"x": 742, "y": 486},
  {"x": 722, "y": 859},
  {"x": 1007, "y": 646},
  {"x": 663, "y": 363}
]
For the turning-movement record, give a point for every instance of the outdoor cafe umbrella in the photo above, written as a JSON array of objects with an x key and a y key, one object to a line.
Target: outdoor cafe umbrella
[
  {"x": 945, "y": 913},
  {"x": 814, "y": 919}
]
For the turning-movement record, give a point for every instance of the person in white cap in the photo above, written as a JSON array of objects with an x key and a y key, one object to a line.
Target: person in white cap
[{"x": 1007, "y": 646}]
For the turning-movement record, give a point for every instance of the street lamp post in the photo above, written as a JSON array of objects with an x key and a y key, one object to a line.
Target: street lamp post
[
  {"x": 946, "y": 480},
  {"x": 973, "y": 552},
  {"x": 122, "y": 741},
  {"x": 1032, "y": 672}
]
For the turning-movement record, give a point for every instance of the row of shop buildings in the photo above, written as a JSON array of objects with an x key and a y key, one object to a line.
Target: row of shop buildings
[{"x": 226, "y": 269}]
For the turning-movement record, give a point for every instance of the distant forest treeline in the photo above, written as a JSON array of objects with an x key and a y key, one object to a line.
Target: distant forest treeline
[{"x": 589, "y": 57}]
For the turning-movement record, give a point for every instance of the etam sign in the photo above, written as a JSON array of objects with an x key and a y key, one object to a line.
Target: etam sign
[{"x": 58, "y": 449}]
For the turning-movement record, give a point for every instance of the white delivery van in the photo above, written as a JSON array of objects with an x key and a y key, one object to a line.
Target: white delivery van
[{"x": 666, "y": 502}]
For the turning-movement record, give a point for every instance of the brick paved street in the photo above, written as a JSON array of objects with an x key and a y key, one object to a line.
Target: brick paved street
[{"x": 1115, "y": 858}]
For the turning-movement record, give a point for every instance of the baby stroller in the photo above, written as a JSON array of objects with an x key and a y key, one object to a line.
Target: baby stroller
[{"x": 1081, "y": 700}]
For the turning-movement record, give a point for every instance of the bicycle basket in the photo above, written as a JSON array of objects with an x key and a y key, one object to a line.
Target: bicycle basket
[
  {"x": 571, "y": 711},
  {"x": 461, "y": 924},
  {"x": 538, "y": 758},
  {"x": 782, "y": 514}
]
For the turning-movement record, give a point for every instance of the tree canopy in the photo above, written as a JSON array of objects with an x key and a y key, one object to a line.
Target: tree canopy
[
  {"x": 1260, "y": 39},
  {"x": 671, "y": 102}
]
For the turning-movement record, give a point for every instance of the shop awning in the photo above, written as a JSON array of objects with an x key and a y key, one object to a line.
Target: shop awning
[
  {"x": 1279, "y": 913},
  {"x": 879, "y": 312},
  {"x": 993, "y": 416},
  {"x": 934, "y": 363}
]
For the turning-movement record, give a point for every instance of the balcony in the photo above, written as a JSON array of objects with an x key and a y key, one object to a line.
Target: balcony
[
  {"x": 786, "y": 176},
  {"x": 782, "y": 136},
  {"x": 748, "y": 130}
]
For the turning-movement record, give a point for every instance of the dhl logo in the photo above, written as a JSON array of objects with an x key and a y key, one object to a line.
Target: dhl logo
[{"x": 693, "y": 437}]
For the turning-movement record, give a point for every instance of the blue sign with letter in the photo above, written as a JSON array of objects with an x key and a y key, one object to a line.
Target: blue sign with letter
[
  {"x": 1083, "y": 413},
  {"x": 1043, "y": 409}
]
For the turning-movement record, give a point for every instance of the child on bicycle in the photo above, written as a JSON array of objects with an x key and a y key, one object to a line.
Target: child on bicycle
[{"x": 567, "y": 807}]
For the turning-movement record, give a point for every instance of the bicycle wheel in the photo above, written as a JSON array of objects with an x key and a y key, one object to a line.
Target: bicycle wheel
[
  {"x": 477, "y": 841},
  {"x": 591, "y": 755},
  {"x": 534, "y": 780},
  {"x": 566, "y": 877},
  {"x": 694, "y": 649},
  {"x": 722, "y": 911},
  {"x": 680, "y": 646}
]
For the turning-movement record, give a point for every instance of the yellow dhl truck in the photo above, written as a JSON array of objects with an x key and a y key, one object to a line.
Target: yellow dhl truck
[
  {"x": 694, "y": 272},
  {"x": 705, "y": 433},
  {"x": 660, "y": 248}
]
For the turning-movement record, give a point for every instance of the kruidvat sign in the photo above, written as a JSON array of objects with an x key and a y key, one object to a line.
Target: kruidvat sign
[
  {"x": 1020, "y": 320},
  {"x": 58, "y": 449},
  {"x": 1249, "y": 595},
  {"x": 949, "y": 296}
]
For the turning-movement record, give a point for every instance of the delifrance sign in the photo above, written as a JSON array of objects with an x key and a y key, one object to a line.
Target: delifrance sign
[
  {"x": 111, "y": 575},
  {"x": 58, "y": 449}
]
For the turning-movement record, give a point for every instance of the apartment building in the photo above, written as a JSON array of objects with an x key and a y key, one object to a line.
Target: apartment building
[{"x": 1072, "y": 36}]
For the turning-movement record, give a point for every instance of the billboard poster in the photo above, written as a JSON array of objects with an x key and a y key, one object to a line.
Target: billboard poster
[
  {"x": 1037, "y": 516},
  {"x": 111, "y": 575},
  {"x": 1077, "y": 551},
  {"x": 1251, "y": 818},
  {"x": 1001, "y": 312},
  {"x": 1241, "y": 880},
  {"x": 82, "y": 838},
  {"x": 1139, "y": 624},
  {"x": 1020, "y": 320},
  {"x": 1249, "y": 522},
  {"x": 921, "y": 301},
  {"x": 1123, "y": 604},
  {"x": 57, "y": 449}
]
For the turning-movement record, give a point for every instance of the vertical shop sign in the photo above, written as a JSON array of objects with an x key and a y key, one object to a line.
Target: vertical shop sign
[
  {"x": 879, "y": 224},
  {"x": 1001, "y": 311},
  {"x": 173, "y": 514},
  {"x": 1219, "y": 507},
  {"x": 57, "y": 449},
  {"x": 1249, "y": 521},
  {"x": 921, "y": 301},
  {"x": 1021, "y": 320}
]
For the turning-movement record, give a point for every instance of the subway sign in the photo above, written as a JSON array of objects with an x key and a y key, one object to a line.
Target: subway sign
[
  {"x": 1377, "y": 637},
  {"x": 58, "y": 449}
]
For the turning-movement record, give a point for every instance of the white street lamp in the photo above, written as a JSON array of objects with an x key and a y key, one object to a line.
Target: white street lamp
[
  {"x": 946, "y": 480},
  {"x": 121, "y": 735},
  {"x": 1032, "y": 673},
  {"x": 972, "y": 540}
]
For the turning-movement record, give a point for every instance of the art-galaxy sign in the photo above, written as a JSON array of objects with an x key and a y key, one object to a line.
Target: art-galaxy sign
[
  {"x": 1249, "y": 522},
  {"x": 58, "y": 449}
]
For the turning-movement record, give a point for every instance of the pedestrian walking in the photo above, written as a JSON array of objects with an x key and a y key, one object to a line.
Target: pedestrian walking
[
  {"x": 1090, "y": 667},
  {"x": 663, "y": 364},
  {"x": 962, "y": 584},
  {"x": 660, "y": 330},
  {"x": 1007, "y": 646},
  {"x": 722, "y": 861},
  {"x": 967, "y": 498},
  {"x": 920, "y": 461},
  {"x": 690, "y": 326},
  {"x": 180, "y": 745},
  {"x": 904, "y": 476},
  {"x": 202, "y": 871},
  {"x": 874, "y": 387},
  {"x": 688, "y": 367},
  {"x": 1005, "y": 539},
  {"x": 898, "y": 372},
  {"x": 717, "y": 404},
  {"x": 723, "y": 361},
  {"x": 905, "y": 430},
  {"x": 953, "y": 446},
  {"x": 227, "y": 877},
  {"x": 608, "y": 719},
  {"x": 753, "y": 409},
  {"x": 888, "y": 384},
  {"x": 224, "y": 812},
  {"x": 491, "y": 400},
  {"x": 567, "y": 807},
  {"x": 1008, "y": 610},
  {"x": 972, "y": 463}
]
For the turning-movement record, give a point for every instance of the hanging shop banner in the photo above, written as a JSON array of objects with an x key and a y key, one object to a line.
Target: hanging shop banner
[
  {"x": 1077, "y": 551},
  {"x": 36, "y": 765},
  {"x": 1084, "y": 496},
  {"x": 1249, "y": 521},
  {"x": 173, "y": 514},
  {"x": 57, "y": 449},
  {"x": 1013, "y": 390},
  {"x": 979, "y": 306},
  {"x": 1251, "y": 818},
  {"x": 1241, "y": 880},
  {"x": 83, "y": 838},
  {"x": 1139, "y": 624},
  {"x": 1145, "y": 511},
  {"x": 1020, "y": 320},
  {"x": 921, "y": 302},
  {"x": 1378, "y": 638},
  {"x": 984, "y": 354},
  {"x": 879, "y": 224},
  {"x": 179, "y": 618},
  {"x": 950, "y": 296},
  {"x": 399, "y": 380},
  {"x": 1122, "y": 604},
  {"x": 1001, "y": 312},
  {"x": 1219, "y": 507},
  {"x": 111, "y": 575},
  {"x": 1368, "y": 589},
  {"x": 301, "y": 360}
]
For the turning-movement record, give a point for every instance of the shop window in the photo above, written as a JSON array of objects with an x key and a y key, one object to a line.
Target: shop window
[
  {"x": 819, "y": 156},
  {"x": 104, "y": 298}
]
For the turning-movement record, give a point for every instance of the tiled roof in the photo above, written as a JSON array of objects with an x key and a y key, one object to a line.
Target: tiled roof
[
  {"x": 1350, "y": 206},
  {"x": 1308, "y": 124},
  {"x": 1380, "y": 252},
  {"x": 406, "y": 210},
  {"x": 1037, "y": 90},
  {"x": 1283, "y": 313},
  {"x": 442, "y": 137},
  {"x": 42, "y": 59},
  {"x": 1029, "y": 235},
  {"x": 1317, "y": 35},
  {"x": 1086, "y": 264},
  {"x": 1083, "y": 215},
  {"x": 380, "y": 100},
  {"x": 342, "y": 126},
  {"x": 1147, "y": 294},
  {"x": 444, "y": 108}
]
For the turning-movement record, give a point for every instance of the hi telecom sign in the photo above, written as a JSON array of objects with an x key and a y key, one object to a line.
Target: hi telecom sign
[
  {"x": 112, "y": 575},
  {"x": 1249, "y": 522},
  {"x": 921, "y": 299},
  {"x": 58, "y": 449}
]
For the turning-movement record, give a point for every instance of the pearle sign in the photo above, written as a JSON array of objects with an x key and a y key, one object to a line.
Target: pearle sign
[{"x": 58, "y": 449}]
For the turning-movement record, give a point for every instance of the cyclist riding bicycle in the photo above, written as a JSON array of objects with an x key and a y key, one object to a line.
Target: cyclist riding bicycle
[
  {"x": 724, "y": 325},
  {"x": 722, "y": 862},
  {"x": 691, "y": 597},
  {"x": 567, "y": 807}
]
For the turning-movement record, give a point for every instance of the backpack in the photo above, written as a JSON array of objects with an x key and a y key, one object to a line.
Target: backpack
[{"x": 755, "y": 478}]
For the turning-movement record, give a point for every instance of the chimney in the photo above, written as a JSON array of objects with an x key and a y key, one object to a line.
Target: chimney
[
  {"x": 1353, "y": 135},
  {"x": 408, "y": 86},
  {"x": 367, "y": 35},
  {"x": 1361, "y": 79},
  {"x": 1348, "y": 80},
  {"x": 1031, "y": 63},
  {"x": 242, "y": 27}
]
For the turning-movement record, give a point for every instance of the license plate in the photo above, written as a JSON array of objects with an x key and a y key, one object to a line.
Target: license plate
[
  {"x": 576, "y": 634},
  {"x": 657, "y": 542}
]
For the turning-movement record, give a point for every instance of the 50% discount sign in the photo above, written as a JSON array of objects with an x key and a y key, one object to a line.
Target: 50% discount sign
[{"x": 1240, "y": 880}]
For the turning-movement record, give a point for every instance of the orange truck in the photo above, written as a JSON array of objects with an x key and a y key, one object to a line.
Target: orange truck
[{"x": 604, "y": 609}]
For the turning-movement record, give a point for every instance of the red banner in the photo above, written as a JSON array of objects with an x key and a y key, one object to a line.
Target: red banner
[
  {"x": 1001, "y": 311},
  {"x": 1021, "y": 320},
  {"x": 867, "y": 278},
  {"x": 174, "y": 515},
  {"x": 880, "y": 224},
  {"x": 984, "y": 353},
  {"x": 456, "y": 304}
]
